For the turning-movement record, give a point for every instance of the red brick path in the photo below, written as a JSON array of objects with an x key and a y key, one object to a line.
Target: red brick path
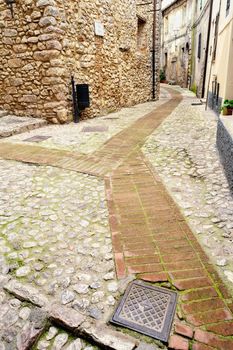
[
  {"x": 152, "y": 240},
  {"x": 150, "y": 236}
]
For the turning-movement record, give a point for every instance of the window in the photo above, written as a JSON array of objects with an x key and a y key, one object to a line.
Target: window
[
  {"x": 215, "y": 36},
  {"x": 184, "y": 16},
  {"x": 199, "y": 46},
  {"x": 141, "y": 34},
  {"x": 182, "y": 57},
  {"x": 228, "y": 7},
  {"x": 166, "y": 24},
  {"x": 165, "y": 60}
]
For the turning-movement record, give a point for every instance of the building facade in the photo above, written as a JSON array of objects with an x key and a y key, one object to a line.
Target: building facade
[
  {"x": 205, "y": 27},
  {"x": 200, "y": 46},
  {"x": 176, "y": 41},
  {"x": 105, "y": 44},
  {"x": 220, "y": 63}
]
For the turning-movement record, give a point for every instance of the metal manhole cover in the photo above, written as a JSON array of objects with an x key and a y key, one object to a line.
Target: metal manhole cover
[
  {"x": 147, "y": 309},
  {"x": 15, "y": 121},
  {"x": 38, "y": 138},
  {"x": 111, "y": 118},
  {"x": 95, "y": 129},
  {"x": 197, "y": 103}
]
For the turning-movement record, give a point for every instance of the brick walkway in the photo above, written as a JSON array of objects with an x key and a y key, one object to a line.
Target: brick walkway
[{"x": 150, "y": 237}]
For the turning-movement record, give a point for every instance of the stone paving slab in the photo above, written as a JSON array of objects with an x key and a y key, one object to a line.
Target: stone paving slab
[{"x": 11, "y": 124}]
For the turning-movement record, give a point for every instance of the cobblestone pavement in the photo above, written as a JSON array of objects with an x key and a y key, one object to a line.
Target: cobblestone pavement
[
  {"x": 89, "y": 135},
  {"x": 55, "y": 235},
  {"x": 62, "y": 231},
  {"x": 18, "y": 320},
  {"x": 183, "y": 152}
]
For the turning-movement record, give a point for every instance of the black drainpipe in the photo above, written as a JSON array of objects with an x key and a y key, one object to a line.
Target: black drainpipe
[
  {"x": 153, "y": 49},
  {"x": 207, "y": 49},
  {"x": 75, "y": 101}
]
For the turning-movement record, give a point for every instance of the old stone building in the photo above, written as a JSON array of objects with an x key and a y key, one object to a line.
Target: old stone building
[
  {"x": 200, "y": 48},
  {"x": 186, "y": 42},
  {"x": 105, "y": 44},
  {"x": 176, "y": 41}
]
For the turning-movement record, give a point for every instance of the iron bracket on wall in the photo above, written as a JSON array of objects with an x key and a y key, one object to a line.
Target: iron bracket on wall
[
  {"x": 76, "y": 111},
  {"x": 10, "y": 4}
]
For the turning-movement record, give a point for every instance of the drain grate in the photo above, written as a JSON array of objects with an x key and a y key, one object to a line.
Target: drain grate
[
  {"x": 197, "y": 103},
  {"x": 95, "y": 129},
  {"x": 37, "y": 138},
  {"x": 147, "y": 309},
  {"x": 111, "y": 118},
  {"x": 16, "y": 121}
]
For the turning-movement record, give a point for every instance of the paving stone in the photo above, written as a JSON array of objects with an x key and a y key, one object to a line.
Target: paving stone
[
  {"x": 51, "y": 333},
  {"x": 95, "y": 313},
  {"x": 43, "y": 344},
  {"x": 178, "y": 343},
  {"x": 107, "y": 337},
  {"x": 81, "y": 288},
  {"x": 184, "y": 330},
  {"x": 66, "y": 317},
  {"x": 67, "y": 296},
  {"x": 145, "y": 346},
  {"x": 75, "y": 345},
  {"x": 59, "y": 341},
  {"x": 26, "y": 292},
  {"x": 25, "y": 313},
  {"x": 112, "y": 287}
]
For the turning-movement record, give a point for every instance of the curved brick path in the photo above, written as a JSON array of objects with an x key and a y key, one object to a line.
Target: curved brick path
[{"x": 150, "y": 237}]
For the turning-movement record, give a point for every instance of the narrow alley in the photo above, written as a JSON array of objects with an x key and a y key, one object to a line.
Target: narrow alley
[{"x": 137, "y": 194}]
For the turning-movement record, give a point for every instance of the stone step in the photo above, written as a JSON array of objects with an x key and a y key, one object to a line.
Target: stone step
[
  {"x": 11, "y": 124},
  {"x": 3, "y": 113}
]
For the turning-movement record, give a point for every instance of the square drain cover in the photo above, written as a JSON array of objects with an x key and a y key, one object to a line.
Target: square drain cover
[
  {"x": 147, "y": 309},
  {"x": 37, "y": 138},
  {"x": 95, "y": 129}
]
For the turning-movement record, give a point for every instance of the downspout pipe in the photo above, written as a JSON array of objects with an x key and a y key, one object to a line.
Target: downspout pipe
[
  {"x": 153, "y": 49},
  {"x": 207, "y": 49}
]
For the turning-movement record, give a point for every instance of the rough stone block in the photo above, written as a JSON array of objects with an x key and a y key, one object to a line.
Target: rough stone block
[
  {"x": 106, "y": 337},
  {"x": 66, "y": 317},
  {"x": 26, "y": 293}
]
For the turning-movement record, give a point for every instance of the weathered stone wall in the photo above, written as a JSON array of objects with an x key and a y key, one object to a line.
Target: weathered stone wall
[
  {"x": 30, "y": 43},
  {"x": 48, "y": 41},
  {"x": 225, "y": 148}
]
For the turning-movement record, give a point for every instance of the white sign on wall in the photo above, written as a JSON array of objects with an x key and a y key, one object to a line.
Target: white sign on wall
[{"x": 99, "y": 28}]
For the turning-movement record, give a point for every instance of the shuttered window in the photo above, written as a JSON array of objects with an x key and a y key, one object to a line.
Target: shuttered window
[
  {"x": 215, "y": 37},
  {"x": 199, "y": 46},
  {"x": 228, "y": 7}
]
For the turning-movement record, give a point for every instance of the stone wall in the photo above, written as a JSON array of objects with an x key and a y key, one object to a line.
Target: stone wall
[
  {"x": 48, "y": 41},
  {"x": 225, "y": 148}
]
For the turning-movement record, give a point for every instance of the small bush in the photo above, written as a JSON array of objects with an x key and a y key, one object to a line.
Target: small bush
[
  {"x": 227, "y": 104},
  {"x": 193, "y": 88},
  {"x": 162, "y": 75}
]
